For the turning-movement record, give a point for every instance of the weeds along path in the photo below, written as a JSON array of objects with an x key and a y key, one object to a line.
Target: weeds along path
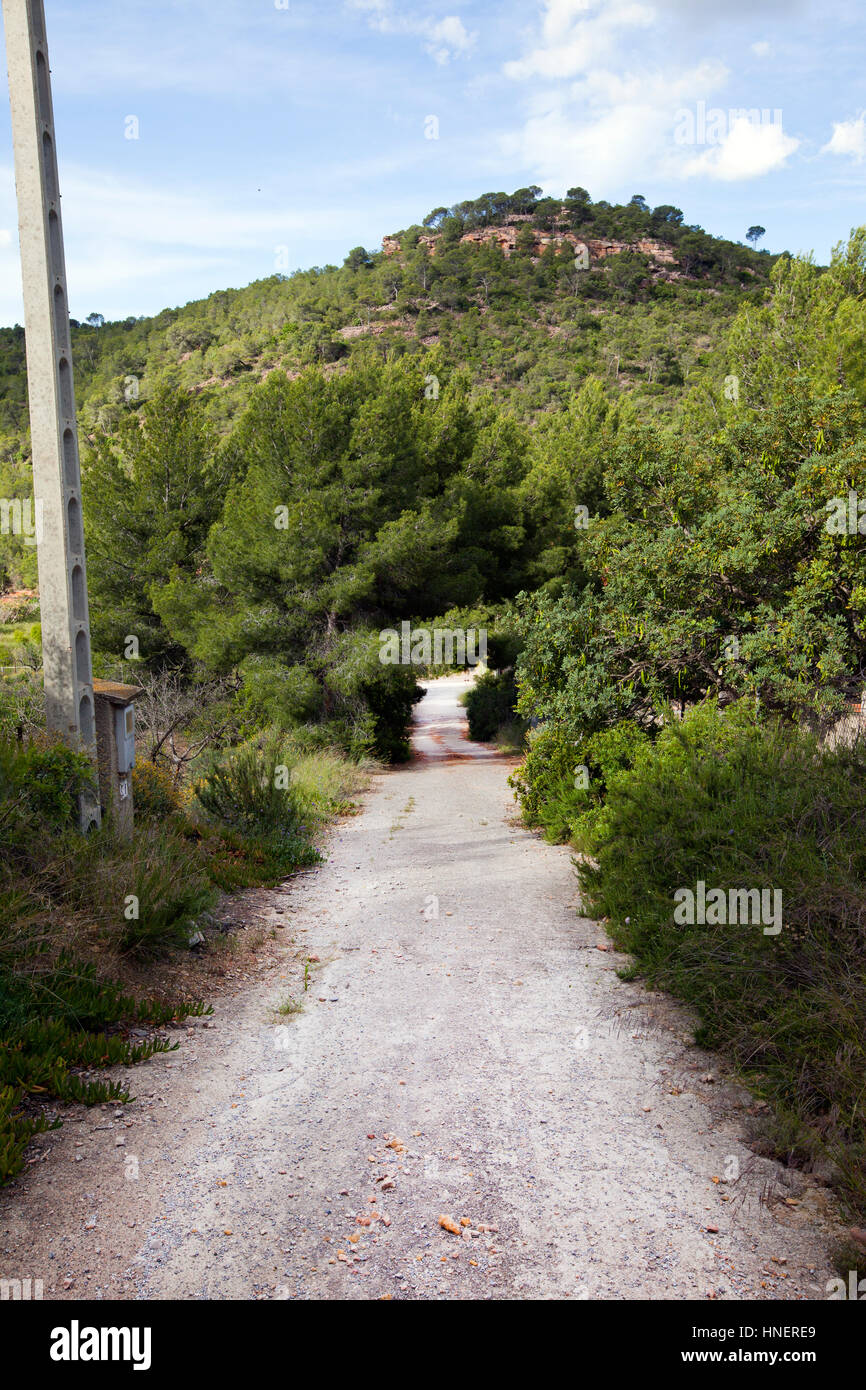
[{"x": 464, "y": 1050}]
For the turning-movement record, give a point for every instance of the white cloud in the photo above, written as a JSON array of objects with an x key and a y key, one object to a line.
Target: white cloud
[
  {"x": 609, "y": 128},
  {"x": 449, "y": 38},
  {"x": 762, "y": 49},
  {"x": 563, "y": 151},
  {"x": 577, "y": 35},
  {"x": 445, "y": 38},
  {"x": 848, "y": 138},
  {"x": 603, "y": 105},
  {"x": 5, "y": 236},
  {"x": 747, "y": 151}
]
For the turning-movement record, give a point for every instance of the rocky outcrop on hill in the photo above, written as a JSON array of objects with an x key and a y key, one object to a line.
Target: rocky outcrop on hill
[{"x": 506, "y": 238}]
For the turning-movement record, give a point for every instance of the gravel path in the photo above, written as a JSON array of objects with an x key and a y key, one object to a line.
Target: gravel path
[{"x": 464, "y": 1050}]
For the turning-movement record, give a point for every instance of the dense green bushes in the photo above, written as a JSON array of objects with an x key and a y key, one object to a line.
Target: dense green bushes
[
  {"x": 724, "y": 799},
  {"x": 39, "y": 789},
  {"x": 563, "y": 779},
  {"x": 546, "y": 774},
  {"x": 711, "y": 612},
  {"x": 713, "y": 573}
]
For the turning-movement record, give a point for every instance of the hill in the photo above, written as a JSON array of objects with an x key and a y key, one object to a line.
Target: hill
[{"x": 530, "y": 294}]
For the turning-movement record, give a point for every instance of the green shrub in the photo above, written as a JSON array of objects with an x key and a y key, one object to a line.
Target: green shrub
[
  {"x": 373, "y": 700},
  {"x": 253, "y": 792},
  {"x": 322, "y": 783},
  {"x": 39, "y": 789},
  {"x": 280, "y": 694},
  {"x": 603, "y": 754},
  {"x": 547, "y": 770},
  {"x": 724, "y": 799},
  {"x": 563, "y": 781},
  {"x": 155, "y": 795},
  {"x": 490, "y": 704},
  {"x": 343, "y": 697}
]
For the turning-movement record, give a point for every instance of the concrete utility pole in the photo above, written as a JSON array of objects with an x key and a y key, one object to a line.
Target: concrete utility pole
[{"x": 69, "y": 701}]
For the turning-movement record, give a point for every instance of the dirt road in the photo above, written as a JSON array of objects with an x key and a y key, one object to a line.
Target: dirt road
[{"x": 464, "y": 1049}]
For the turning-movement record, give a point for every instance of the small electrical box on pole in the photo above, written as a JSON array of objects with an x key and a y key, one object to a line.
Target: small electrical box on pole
[
  {"x": 69, "y": 702},
  {"x": 115, "y": 737}
]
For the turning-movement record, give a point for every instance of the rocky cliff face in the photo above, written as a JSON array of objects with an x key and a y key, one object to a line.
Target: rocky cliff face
[{"x": 506, "y": 238}]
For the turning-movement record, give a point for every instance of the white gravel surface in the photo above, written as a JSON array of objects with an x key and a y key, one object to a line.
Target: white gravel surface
[{"x": 465, "y": 1050}]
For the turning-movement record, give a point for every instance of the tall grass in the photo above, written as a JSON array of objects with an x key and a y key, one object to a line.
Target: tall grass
[
  {"x": 59, "y": 1018},
  {"x": 271, "y": 800}
]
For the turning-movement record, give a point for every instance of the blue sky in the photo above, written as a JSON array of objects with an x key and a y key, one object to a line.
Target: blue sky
[{"x": 279, "y": 134}]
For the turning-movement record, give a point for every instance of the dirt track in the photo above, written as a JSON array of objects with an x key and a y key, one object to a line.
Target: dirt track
[{"x": 465, "y": 1050}]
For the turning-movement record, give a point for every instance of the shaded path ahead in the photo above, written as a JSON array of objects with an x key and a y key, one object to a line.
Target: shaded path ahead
[
  {"x": 464, "y": 1049},
  {"x": 440, "y": 729}
]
